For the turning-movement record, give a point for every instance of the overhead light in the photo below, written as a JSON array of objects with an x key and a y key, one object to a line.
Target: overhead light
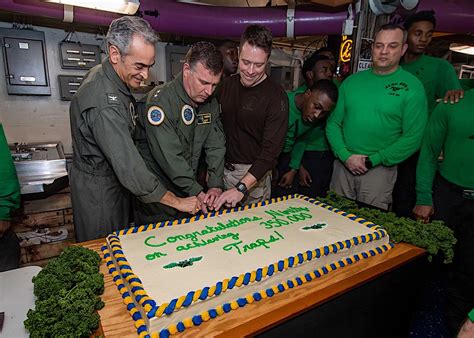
[
  {"x": 465, "y": 49},
  {"x": 129, "y": 7}
]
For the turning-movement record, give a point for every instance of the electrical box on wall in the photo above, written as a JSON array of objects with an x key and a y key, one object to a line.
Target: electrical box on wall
[
  {"x": 283, "y": 76},
  {"x": 174, "y": 60},
  {"x": 76, "y": 55},
  {"x": 26, "y": 65},
  {"x": 68, "y": 85}
]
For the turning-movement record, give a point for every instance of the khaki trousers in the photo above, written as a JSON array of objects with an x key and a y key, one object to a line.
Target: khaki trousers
[
  {"x": 375, "y": 187},
  {"x": 261, "y": 191}
]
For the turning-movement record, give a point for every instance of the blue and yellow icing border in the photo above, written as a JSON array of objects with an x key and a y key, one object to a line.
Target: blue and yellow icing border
[{"x": 153, "y": 310}]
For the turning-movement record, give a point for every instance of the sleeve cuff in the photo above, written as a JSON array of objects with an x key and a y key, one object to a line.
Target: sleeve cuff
[
  {"x": 344, "y": 154},
  {"x": 257, "y": 171},
  {"x": 424, "y": 199},
  {"x": 5, "y": 214},
  {"x": 215, "y": 182},
  {"x": 294, "y": 164},
  {"x": 375, "y": 159},
  {"x": 155, "y": 196},
  {"x": 196, "y": 188}
]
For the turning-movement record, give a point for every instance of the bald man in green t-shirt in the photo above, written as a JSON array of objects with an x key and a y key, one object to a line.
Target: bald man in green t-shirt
[{"x": 378, "y": 122}]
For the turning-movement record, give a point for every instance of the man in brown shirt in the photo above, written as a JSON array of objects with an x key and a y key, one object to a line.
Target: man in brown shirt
[{"x": 255, "y": 120}]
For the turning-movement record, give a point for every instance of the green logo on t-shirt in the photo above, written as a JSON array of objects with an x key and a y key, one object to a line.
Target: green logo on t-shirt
[{"x": 395, "y": 87}]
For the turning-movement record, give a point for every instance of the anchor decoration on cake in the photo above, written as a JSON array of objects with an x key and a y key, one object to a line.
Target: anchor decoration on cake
[
  {"x": 314, "y": 226},
  {"x": 184, "y": 263}
]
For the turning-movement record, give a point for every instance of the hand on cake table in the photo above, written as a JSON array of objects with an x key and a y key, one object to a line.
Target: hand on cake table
[
  {"x": 229, "y": 197},
  {"x": 211, "y": 196},
  {"x": 190, "y": 204},
  {"x": 287, "y": 179},
  {"x": 202, "y": 200}
]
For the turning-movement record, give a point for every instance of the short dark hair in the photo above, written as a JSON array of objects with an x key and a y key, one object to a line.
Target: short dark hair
[
  {"x": 391, "y": 27},
  {"x": 420, "y": 16},
  {"x": 310, "y": 62},
  {"x": 227, "y": 44},
  {"x": 206, "y": 53},
  {"x": 327, "y": 87},
  {"x": 326, "y": 49},
  {"x": 258, "y": 36}
]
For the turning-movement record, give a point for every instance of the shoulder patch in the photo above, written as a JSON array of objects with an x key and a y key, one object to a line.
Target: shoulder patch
[
  {"x": 112, "y": 99},
  {"x": 187, "y": 114},
  {"x": 156, "y": 115}
]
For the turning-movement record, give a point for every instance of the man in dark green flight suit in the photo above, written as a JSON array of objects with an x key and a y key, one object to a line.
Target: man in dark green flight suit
[
  {"x": 107, "y": 167},
  {"x": 180, "y": 121}
]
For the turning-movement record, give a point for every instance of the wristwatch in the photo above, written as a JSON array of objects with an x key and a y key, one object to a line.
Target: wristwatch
[
  {"x": 368, "y": 163},
  {"x": 241, "y": 187}
]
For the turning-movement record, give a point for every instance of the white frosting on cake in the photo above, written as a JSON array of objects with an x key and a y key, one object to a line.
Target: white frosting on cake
[{"x": 233, "y": 254}]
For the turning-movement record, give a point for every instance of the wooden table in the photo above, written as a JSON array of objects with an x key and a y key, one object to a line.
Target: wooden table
[{"x": 259, "y": 316}]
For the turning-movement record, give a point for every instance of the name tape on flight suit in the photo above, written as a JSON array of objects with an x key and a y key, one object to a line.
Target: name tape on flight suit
[{"x": 204, "y": 118}]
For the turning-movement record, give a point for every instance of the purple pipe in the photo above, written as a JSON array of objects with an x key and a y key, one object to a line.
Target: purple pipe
[
  {"x": 453, "y": 16},
  {"x": 56, "y": 11},
  {"x": 456, "y": 16},
  {"x": 189, "y": 19}
]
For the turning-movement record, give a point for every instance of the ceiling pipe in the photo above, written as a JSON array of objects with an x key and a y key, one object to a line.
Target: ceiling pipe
[
  {"x": 452, "y": 16},
  {"x": 56, "y": 11},
  {"x": 455, "y": 16},
  {"x": 188, "y": 19}
]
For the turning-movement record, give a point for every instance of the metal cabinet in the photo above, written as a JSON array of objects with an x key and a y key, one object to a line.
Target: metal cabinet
[{"x": 26, "y": 66}]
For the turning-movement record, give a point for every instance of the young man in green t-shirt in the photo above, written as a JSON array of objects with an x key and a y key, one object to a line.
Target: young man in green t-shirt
[
  {"x": 307, "y": 112},
  {"x": 378, "y": 122},
  {"x": 446, "y": 192},
  {"x": 441, "y": 84}
]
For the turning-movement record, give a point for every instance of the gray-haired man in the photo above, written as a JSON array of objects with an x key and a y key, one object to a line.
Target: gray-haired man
[{"x": 107, "y": 167}]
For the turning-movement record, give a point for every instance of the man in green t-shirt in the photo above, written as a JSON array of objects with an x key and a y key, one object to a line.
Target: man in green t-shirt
[
  {"x": 441, "y": 84},
  {"x": 307, "y": 111},
  {"x": 315, "y": 169},
  {"x": 378, "y": 122},
  {"x": 446, "y": 192},
  {"x": 315, "y": 68}
]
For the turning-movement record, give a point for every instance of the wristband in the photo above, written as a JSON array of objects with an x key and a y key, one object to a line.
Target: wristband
[
  {"x": 368, "y": 163},
  {"x": 241, "y": 187}
]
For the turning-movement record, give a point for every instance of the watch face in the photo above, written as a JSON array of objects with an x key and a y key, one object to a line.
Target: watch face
[{"x": 241, "y": 187}]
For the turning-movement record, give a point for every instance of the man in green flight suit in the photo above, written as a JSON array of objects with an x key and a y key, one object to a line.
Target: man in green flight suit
[
  {"x": 180, "y": 121},
  {"x": 107, "y": 168},
  {"x": 441, "y": 84}
]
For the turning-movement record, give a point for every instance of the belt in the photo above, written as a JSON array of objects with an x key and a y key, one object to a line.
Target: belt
[{"x": 465, "y": 192}]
